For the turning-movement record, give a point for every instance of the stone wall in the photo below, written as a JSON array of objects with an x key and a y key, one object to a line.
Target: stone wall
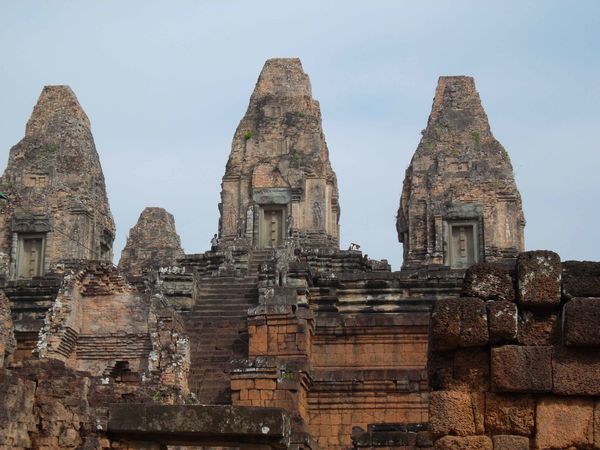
[
  {"x": 514, "y": 363},
  {"x": 57, "y": 206}
]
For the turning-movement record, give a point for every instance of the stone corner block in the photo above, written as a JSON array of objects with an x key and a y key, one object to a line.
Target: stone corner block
[{"x": 539, "y": 278}]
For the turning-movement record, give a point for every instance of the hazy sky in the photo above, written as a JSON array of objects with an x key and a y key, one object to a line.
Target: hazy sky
[{"x": 166, "y": 83}]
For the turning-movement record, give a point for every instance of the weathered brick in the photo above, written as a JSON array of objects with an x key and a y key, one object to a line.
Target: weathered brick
[
  {"x": 576, "y": 371},
  {"x": 503, "y": 319},
  {"x": 489, "y": 281},
  {"x": 564, "y": 423},
  {"x": 521, "y": 369},
  {"x": 453, "y": 412},
  {"x": 538, "y": 277},
  {"x": 581, "y": 322},
  {"x": 509, "y": 414},
  {"x": 508, "y": 442}
]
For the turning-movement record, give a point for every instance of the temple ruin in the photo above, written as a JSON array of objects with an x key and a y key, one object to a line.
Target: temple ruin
[
  {"x": 152, "y": 243},
  {"x": 460, "y": 204},
  {"x": 57, "y": 208},
  {"x": 276, "y": 338},
  {"x": 278, "y": 182}
]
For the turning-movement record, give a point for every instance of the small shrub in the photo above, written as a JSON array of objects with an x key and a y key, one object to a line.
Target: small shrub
[
  {"x": 248, "y": 135},
  {"x": 477, "y": 141},
  {"x": 52, "y": 148},
  {"x": 301, "y": 114}
]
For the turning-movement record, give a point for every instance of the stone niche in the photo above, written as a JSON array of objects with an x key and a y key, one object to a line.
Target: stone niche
[
  {"x": 459, "y": 204},
  {"x": 278, "y": 183}
]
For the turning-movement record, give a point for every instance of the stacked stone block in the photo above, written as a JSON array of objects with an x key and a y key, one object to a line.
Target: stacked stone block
[{"x": 514, "y": 362}]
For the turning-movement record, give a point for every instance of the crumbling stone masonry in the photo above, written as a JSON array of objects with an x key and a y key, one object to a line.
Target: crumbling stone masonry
[
  {"x": 278, "y": 183},
  {"x": 57, "y": 206},
  {"x": 459, "y": 203},
  {"x": 520, "y": 370},
  {"x": 152, "y": 243}
]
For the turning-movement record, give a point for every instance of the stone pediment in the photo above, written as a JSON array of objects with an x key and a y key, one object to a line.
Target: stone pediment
[{"x": 30, "y": 223}]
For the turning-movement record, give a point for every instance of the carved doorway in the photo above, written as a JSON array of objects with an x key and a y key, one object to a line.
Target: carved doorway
[
  {"x": 271, "y": 226},
  {"x": 463, "y": 248},
  {"x": 30, "y": 256}
]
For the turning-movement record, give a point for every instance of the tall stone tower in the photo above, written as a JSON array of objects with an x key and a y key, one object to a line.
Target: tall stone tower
[
  {"x": 278, "y": 182},
  {"x": 57, "y": 206},
  {"x": 459, "y": 203}
]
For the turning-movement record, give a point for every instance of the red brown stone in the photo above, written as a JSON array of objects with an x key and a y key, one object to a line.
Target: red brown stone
[
  {"x": 454, "y": 412},
  {"x": 564, "y": 423},
  {"x": 489, "y": 281},
  {"x": 580, "y": 279},
  {"x": 464, "y": 443},
  {"x": 508, "y": 442},
  {"x": 459, "y": 323},
  {"x": 503, "y": 318},
  {"x": 576, "y": 371},
  {"x": 510, "y": 414},
  {"x": 521, "y": 369},
  {"x": 538, "y": 328},
  {"x": 581, "y": 322},
  {"x": 538, "y": 277}
]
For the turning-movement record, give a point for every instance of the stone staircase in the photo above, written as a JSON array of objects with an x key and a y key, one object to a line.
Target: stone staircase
[
  {"x": 218, "y": 332},
  {"x": 257, "y": 258}
]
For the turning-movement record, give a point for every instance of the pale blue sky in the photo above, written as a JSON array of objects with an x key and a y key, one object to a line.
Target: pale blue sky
[{"x": 166, "y": 83}]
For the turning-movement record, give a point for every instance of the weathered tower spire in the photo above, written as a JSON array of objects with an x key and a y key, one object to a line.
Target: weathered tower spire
[
  {"x": 57, "y": 206},
  {"x": 278, "y": 182},
  {"x": 459, "y": 203}
]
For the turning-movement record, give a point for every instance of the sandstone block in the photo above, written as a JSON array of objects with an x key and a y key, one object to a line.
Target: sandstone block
[
  {"x": 538, "y": 276},
  {"x": 597, "y": 422},
  {"x": 440, "y": 369},
  {"x": 521, "y": 369},
  {"x": 464, "y": 443},
  {"x": 564, "y": 422},
  {"x": 489, "y": 281},
  {"x": 503, "y": 321},
  {"x": 471, "y": 369},
  {"x": 473, "y": 324},
  {"x": 453, "y": 412},
  {"x": 445, "y": 325},
  {"x": 459, "y": 323},
  {"x": 507, "y": 442},
  {"x": 576, "y": 371},
  {"x": 580, "y": 279},
  {"x": 538, "y": 328},
  {"x": 509, "y": 414},
  {"x": 581, "y": 322}
]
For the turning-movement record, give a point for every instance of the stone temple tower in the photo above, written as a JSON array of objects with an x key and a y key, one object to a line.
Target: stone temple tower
[
  {"x": 278, "y": 182},
  {"x": 56, "y": 205},
  {"x": 459, "y": 203}
]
